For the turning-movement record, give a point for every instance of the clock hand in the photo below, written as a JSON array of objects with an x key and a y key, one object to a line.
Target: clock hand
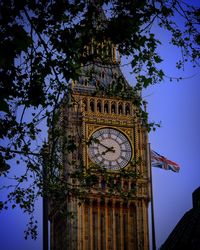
[
  {"x": 104, "y": 145},
  {"x": 107, "y": 150}
]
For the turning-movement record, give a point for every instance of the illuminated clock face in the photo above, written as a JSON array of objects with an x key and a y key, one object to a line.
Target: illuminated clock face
[{"x": 110, "y": 149}]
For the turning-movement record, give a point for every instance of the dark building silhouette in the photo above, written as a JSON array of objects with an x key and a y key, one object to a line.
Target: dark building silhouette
[{"x": 186, "y": 234}]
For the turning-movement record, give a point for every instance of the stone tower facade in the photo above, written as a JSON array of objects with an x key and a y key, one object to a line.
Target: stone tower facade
[{"x": 110, "y": 209}]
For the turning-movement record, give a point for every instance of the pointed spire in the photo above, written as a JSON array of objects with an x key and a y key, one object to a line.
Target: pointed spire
[
  {"x": 100, "y": 70},
  {"x": 96, "y": 14},
  {"x": 100, "y": 48}
]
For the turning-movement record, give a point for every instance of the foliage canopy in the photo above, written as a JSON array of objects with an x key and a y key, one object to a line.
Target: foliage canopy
[{"x": 43, "y": 46}]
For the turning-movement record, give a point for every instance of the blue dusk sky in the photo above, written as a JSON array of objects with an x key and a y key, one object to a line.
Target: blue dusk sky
[{"x": 177, "y": 106}]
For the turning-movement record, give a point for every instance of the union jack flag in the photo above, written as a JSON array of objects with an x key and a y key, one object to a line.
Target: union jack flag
[{"x": 160, "y": 161}]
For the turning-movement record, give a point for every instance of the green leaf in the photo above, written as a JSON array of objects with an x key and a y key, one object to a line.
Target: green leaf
[
  {"x": 4, "y": 106},
  {"x": 13, "y": 206}
]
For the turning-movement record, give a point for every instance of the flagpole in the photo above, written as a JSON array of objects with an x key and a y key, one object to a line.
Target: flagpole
[
  {"x": 45, "y": 199},
  {"x": 152, "y": 202},
  {"x": 45, "y": 211}
]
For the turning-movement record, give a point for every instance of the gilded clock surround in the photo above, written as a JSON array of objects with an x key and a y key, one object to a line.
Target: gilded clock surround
[{"x": 122, "y": 117}]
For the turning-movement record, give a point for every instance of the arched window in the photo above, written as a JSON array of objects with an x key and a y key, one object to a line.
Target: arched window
[
  {"x": 103, "y": 183},
  {"x": 99, "y": 106},
  {"x": 120, "y": 109},
  {"x": 106, "y": 107},
  {"x": 104, "y": 52},
  {"x": 133, "y": 186},
  {"x": 127, "y": 110},
  {"x": 125, "y": 186},
  {"x": 84, "y": 105},
  {"x": 99, "y": 50},
  {"x": 92, "y": 105},
  {"x": 86, "y": 82},
  {"x": 113, "y": 108},
  {"x": 110, "y": 50}
]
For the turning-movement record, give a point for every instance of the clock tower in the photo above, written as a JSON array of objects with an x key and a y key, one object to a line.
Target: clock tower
[{"x": 107, "y": 169}]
